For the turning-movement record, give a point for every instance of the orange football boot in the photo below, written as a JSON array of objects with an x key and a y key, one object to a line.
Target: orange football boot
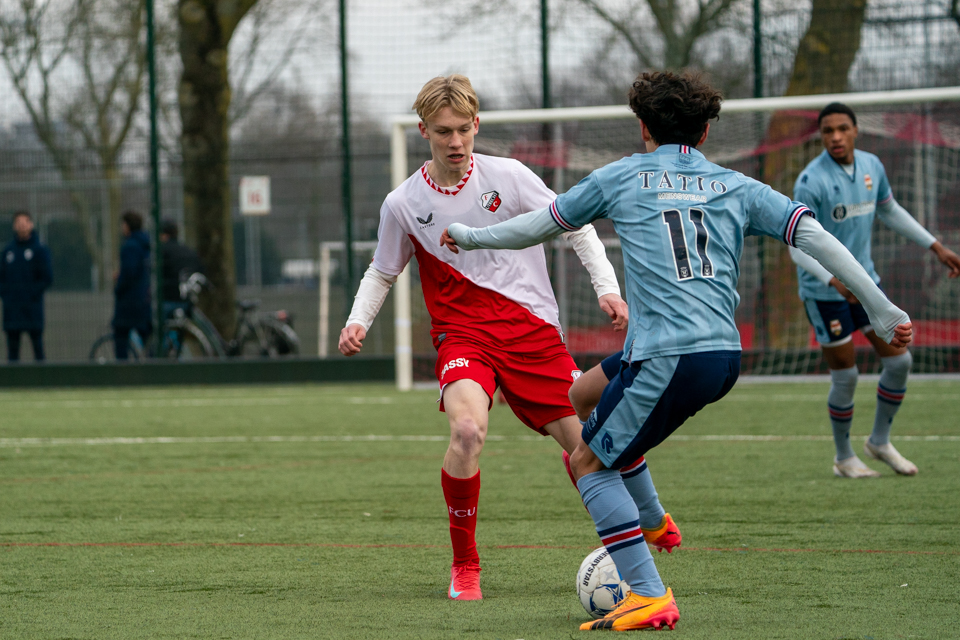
[
  {"x": 666, "y": 536},
  {"x": 639, "y": 612}
]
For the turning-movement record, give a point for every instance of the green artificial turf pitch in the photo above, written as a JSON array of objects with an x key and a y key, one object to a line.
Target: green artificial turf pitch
[{"x": 264, "y": 512}]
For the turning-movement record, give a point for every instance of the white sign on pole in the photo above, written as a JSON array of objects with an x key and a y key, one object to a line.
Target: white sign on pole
[{"x": 255, "y": 195}]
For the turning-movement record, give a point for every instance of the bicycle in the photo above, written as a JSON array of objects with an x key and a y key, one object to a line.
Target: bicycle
[
  {"x": 190, "y": 334},
  {"x": 103, "y": 350}
]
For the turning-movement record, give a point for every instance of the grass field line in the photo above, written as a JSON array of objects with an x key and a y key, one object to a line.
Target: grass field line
[
  {"x": 70, "y": 442},
  {"x": 535, "y": 547},
  {"x": 160, "y": 403},
  {"x": 326, "y": 399}
]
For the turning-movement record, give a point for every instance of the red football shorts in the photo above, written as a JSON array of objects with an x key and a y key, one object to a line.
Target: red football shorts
[{"x": 535, "y": 384}]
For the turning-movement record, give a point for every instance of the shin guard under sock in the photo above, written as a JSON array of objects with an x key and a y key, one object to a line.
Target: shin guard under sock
[
  {"x": 840, "y": 403},
  {"x": 617, "y": 521},
  {"x": 637, "y": 480},
  {"x": 462, "y": 496},
  {"x": 890, "y": 393}
]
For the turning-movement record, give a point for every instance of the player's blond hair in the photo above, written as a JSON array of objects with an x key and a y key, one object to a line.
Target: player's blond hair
[{"x": 454, "y": 91}]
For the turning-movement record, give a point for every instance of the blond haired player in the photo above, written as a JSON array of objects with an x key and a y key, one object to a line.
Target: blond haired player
[{"x": 494, "y": 317}]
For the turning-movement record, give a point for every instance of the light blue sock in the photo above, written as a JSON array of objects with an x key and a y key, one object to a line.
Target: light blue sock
[
  {"x": 618, "y": 525},
  {"x": 890, "y": 392},
  {"x": 637, "y": 480},
  {"x": 840, "y": 404}
]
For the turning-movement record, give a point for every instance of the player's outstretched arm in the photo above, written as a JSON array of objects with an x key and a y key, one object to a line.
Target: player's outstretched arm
[
  {"x": 891, "y": 323},
  {"x": 373, "y": 290},
  {"x": 523, "y": 231},
  {"x": 814, "y": 268},
  {"x": 898, "y": 219}
]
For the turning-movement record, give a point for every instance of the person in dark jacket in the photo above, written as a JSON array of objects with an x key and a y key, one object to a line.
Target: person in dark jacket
[
  {"x": 179, "y": 263},
  {"x": 132, "y": 290},
  {"x": 25, "y": 273}
]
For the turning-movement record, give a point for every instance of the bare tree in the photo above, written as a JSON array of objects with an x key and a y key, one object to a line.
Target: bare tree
[
  {"x": 206, "y": 27},
  {"x": 78, "y": 68},
  {"x": 680, "y": 24},
  {"x": 207, "y": 111},
  {"x": 273, "y": 35}
]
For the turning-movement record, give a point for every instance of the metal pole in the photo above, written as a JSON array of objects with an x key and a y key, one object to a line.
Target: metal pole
[
  {"x": 760, "y": 317},
  {"x": 757, "y": 51},
  {"x": 402, "y": 319},
  {"x": 545, "y": 53},
  {"x": 155, "y": 172},
  {"x": 345, "y": 184}
]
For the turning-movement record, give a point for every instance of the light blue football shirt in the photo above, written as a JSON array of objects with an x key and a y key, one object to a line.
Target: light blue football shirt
[
  {"x": 845, "y": 205},
  {"x": 681, "y": 221}
]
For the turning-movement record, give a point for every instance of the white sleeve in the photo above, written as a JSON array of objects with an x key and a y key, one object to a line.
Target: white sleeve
[
  {"x": 810, "y": 265},
  {"x": 520, "y": 232},
  {"x": 593, "y": 256},
  {"x": 373, "y": 290},
  {"x": 814, "y": 240},
  {"x": 898, "y": 219},
  {"x": 394, "y": 248}
]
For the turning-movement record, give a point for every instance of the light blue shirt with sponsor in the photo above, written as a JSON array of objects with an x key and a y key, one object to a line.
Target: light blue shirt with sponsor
[
  {"x": 681, "y": 221},
  {"x": 845, "y": 205}
]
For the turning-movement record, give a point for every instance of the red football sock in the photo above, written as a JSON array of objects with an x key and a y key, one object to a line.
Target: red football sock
[{"x": 462, "y": 496}]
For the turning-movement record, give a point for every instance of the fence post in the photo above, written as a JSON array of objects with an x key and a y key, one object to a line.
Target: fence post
[{"x": 155, "y": 173}]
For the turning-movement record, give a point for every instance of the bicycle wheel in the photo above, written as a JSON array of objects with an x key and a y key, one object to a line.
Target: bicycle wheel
[
  {"x": 103, "y": 350},
  {"x": 183, "y": 340},
  {"x": 283, "y": 340},
  {"x": 267, "y": 338}
]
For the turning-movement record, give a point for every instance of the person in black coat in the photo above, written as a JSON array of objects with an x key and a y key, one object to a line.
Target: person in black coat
[
  {"x": 25, "y": 273},
  {"x": 132, "y": 290},
  {"x": 179, "y": 263}
]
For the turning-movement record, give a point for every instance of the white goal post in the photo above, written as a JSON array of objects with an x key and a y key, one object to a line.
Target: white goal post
[{"x": 400, "y": 170}]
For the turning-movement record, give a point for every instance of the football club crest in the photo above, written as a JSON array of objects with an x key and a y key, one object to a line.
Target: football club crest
[
  {"x": 28, "y": 254},
  {"x": 835, "y": 327},
  {"x": 576, "y": 373},
  {"x": 490, "y": 201},
  {"x": 868, "y": 182}
]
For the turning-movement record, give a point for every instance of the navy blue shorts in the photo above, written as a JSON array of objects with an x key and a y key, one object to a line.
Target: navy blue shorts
[
  {"x": 650, "y": 399},
  {"x": 611, "y": 364},
  {"x": 834, "y": 322}
]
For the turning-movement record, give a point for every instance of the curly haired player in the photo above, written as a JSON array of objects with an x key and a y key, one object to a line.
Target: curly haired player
[{"x": 681, "y": 221}]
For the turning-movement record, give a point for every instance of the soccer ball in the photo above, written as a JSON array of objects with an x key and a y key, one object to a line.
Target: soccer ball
[{"x": 599, "y": 584}]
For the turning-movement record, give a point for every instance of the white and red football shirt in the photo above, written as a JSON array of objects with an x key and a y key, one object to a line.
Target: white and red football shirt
[{"x": 501, "y": 298}]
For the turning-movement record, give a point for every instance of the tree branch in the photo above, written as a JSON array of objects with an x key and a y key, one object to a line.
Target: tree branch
[{"x": 643, "y": 56}]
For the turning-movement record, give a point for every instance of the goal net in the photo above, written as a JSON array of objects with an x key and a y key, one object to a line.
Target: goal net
[{"x": 916, "y": 135}]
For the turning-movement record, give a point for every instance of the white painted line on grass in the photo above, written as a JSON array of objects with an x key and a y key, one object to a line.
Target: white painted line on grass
[
  {"x": 160, "y": 403},
  {"x": 67, "y": 442}
]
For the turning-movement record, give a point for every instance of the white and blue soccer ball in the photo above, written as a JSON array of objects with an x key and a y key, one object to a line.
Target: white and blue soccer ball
[{"x": 599, "y": 584}]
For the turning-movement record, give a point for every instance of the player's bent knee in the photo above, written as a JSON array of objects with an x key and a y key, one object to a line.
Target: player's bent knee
[
  {"x": 899, "y": 365},
  {"x": 467, "y": 434},
  {"x": 579, "y": 403},
  {"x": 584, "y": 461}
]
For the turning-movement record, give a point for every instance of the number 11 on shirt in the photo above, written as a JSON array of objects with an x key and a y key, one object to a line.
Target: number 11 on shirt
[{"x": 678, "y": 239}]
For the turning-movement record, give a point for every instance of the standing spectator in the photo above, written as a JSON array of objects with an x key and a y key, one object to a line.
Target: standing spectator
[
  {"x": 179, "y": 263},
  {"x": 132, "y": 290},
  {"x": 25, "y": 273}
]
